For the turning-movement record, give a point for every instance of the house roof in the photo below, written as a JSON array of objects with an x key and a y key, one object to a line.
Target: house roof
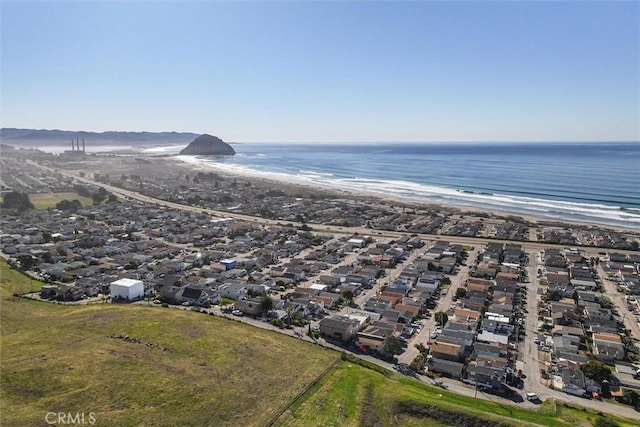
[
  {"x": 192, "y": 293},
  {"x": 445, "y": 366},
  {"x": 446, "y": 348},
  {"x": 605, "y": 336}
]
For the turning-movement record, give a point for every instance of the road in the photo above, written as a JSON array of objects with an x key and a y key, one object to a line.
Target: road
[
  {"x": 618, "y": 300},
  {"x": 443, "y": 305},
  {"x": 529, "y": 352}
]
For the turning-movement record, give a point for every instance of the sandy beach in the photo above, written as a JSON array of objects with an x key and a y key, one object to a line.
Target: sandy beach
[{"x": 180, "y": 166}]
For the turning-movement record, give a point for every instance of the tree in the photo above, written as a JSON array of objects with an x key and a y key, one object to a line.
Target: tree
[
  {"x": 16, "y": 201},
  {"x": 392, "y": 345},
  {"x": 69, "y": 206},
  {"x": 461, "y": 292},
  {"x": 46, "y": 257},
  {"x": 422, "y": 349},
  {"x": 605, "y": 302},
  {"x": 596, "y": 370},
  {"x": 82, "y": 191},
  {"x": 26, "y": 262},
  {"x": 266, "y": 303},
  {"x": 441, "y": 318},
  {"x": 418, "y": 364},
  {"x": 630, "y": 397},
  {"x": 347, "y": 294},
  {"x": 99, "y": 196}
]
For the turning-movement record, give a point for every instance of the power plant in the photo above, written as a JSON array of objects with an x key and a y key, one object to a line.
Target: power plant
[{"x": 75, "y": 148}]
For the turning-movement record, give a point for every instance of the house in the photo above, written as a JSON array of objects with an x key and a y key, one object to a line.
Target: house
[
  {"x": 407, "y": 312},
  {"x": 250, "y": 306},
  {"x": 374, "y": 335},
  {"x": 48, "y": 291},
  {"x": 233, "y": 290},
  {"x": 487, "y": 349},
  {"x": 467, "y": 337},
  {"x": 341, "y": 328},
  {"x": 497, "y": 323},
  {"x": 377, "y": 305},
  {"x": 229, "y": 263},
  {"x": 484, "y": 373},
  {"x": 464, "y": 315},
  {"x": 566, "y": 343},
  {"x": 326, "y": 302},
  {"x": 428, "y": 285},
  {"x": 492, "y": 337},
  {"x": 197, "y": 295},
  {"x": 608, "y": 346},
  {"x": 570, "y": 379},
  {"x": 447, "y": 351},
  {"x": 446, "y": 367}
]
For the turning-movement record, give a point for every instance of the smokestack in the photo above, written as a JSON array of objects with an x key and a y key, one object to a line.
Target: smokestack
[
  {"x": 83, "y": 151},
  {"x": 77, "y": 144},
  {"x": 72, "y": 146}
]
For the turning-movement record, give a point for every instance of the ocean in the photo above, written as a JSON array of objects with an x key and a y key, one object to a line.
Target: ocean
[{"x": 595, "y": 183}]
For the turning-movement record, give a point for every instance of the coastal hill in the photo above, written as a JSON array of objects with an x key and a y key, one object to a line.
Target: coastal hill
[
  {"x": 207, "y": 145},
  {"x": 44, "y": 137}
]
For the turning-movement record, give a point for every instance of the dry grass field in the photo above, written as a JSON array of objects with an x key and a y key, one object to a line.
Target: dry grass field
[{"x": 176, "y": 368}]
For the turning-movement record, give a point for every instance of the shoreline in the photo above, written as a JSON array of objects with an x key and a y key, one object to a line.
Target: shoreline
[{"x": 462, "y": 210}]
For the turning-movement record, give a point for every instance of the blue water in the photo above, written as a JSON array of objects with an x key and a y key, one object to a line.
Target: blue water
[{"x": 597, "y": 183}]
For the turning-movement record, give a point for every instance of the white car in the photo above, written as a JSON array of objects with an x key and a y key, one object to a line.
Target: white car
[{"x": 237, "y": 313}]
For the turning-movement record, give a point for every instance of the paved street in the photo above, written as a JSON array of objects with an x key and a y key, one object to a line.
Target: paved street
[
  {"x": 443, "y": 305},
  {"x": 618, "y": 300},
  {"x": 529, "y": 352}
]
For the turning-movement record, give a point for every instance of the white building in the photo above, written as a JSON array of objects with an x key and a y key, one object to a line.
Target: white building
[{"x": 127, "y": 289}]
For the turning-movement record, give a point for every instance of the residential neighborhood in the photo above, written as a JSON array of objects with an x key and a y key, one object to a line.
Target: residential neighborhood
[{"x": 460, "y": 308}]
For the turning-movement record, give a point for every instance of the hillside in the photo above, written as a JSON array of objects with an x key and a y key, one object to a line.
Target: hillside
[
  {"x": 139, "y": 365},
  {"x": 25, "y": 137}
]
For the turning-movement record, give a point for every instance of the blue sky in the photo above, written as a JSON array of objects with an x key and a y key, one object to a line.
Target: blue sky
[{"x": 326, "y": 71}]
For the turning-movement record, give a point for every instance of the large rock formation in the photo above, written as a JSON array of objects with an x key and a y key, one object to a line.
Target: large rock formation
[{"x": 207, "y": 145}]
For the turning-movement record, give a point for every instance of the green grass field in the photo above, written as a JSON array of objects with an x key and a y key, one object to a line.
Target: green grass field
[
  {"x": 353, "y": 395},
  {"x": 50, "y": 200},
  {"x": 181, "y": 368}
]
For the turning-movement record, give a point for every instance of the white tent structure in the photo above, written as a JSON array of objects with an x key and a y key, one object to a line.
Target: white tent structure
[{"x": 129, "y": 289}]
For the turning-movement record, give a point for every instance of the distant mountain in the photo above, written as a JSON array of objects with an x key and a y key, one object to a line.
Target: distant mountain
[
  {"x": 207, "y": 145},
  {"x": 19, "y": 137}
]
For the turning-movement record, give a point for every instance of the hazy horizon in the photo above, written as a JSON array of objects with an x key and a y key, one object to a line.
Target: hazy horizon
[
  {"x": 497, "y": 142},
  {"x": 333, "y": 72}
]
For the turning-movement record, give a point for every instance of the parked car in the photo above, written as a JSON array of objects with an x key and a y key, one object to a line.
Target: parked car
[
  {"x": 532, "y": 397},
  {"x": 237, "y": 313}
]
